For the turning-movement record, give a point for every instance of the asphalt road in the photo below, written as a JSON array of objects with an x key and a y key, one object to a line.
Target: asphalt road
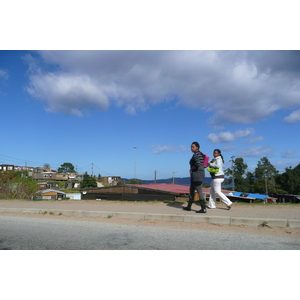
[{"x": 25, "y": 233}]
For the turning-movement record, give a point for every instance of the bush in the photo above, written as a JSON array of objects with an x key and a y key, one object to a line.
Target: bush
[
  {"x": 16, "y": 185},
  {"x": 88, "y": 182},
  {"x": 134, "y": 181}
]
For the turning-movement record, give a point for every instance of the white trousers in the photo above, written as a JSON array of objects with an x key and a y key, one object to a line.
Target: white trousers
[{"x": 215, "y": 191}]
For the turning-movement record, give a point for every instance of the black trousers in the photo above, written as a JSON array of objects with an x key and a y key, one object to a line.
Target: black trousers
[{"x": 195, "y": 185}]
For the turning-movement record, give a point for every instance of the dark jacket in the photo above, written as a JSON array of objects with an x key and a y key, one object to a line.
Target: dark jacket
[{"x": 197, "y": 161}]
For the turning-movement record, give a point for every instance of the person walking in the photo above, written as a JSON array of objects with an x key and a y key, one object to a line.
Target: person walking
[
  {"x": 197, "y": 177},
  {"x": 217, "y": 179}
]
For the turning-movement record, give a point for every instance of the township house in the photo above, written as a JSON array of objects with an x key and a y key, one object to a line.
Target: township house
[
  {"x": 111, "y": 180},
  {"x": 5, "y": 168},
  {"x": 39, "y": 173},
  {"x": 51, "y": 194},
  {"x": 47, "y": 174}
]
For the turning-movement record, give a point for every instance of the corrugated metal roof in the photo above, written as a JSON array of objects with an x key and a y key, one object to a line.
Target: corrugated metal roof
[
  {"x": 49, "y": 190},
  {"x": 174, "y": 188},
  {"x": 164, "y": 187},
  {"x": 249, "y": 195},
  {"x": 168, "y": 187}
]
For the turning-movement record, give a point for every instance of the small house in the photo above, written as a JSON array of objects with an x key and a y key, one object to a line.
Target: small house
[
  {"x": 52, "y": 194},
  {"x": 43, "y": 185}
]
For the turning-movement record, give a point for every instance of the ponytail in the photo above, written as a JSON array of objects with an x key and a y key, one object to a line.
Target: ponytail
[
  {"x": 222, "y": 157},
  {"x": 219, "y": 151}
]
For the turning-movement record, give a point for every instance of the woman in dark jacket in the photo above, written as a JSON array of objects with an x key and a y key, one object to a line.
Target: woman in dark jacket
[{"x": 197, "y": 177}]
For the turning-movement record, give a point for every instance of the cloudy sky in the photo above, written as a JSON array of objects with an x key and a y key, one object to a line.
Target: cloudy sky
[{"x": 89, "y": 107}]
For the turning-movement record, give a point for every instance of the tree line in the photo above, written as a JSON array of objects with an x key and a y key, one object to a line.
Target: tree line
[{"x": 265, "y": 179}]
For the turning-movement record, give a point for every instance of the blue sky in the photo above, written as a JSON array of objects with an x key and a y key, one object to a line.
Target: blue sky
[{"x": 89, "y": 107}]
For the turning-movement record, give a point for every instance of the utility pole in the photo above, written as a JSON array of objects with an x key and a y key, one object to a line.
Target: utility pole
[
  {"x": 173, "y": 176},
  {"x": 155, "y": 176},
  {"x": 232, "y": 168},
  {"x": 92, "y": 169},
  {"x": 134, "y": 161},
  {"x": 266, "y": 181}
]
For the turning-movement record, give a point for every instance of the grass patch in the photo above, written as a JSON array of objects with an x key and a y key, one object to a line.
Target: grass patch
[{"x": 264, "y": 224}]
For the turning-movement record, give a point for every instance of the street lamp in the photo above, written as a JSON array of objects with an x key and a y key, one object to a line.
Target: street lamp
[
  {"x": 173, "y": 176},
  {"x": 134, "y": 161}
]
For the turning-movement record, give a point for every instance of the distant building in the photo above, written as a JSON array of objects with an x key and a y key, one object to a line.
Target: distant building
[
  {"x": 51, "y": 194},
  {"x": 46, "y": 174},
  {"x": 5, "y": 167},
  {"x": 40, "y": 173},
  {"x": 141, "y": 192},
  {"x": 130, "y": 192},
  {"x": 111, "y": 180},
  {"x": 43, "y": 185},
  {"x": 72, "y": 185},
  {"x": 74, "y": 196}
]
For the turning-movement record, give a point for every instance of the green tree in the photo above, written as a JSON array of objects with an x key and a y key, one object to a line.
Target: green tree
[
  {"x": 66, "y": 168},
  {"x": 250, "y": 179},
  {"x": 238, "y": 172},
  {"x": 121, "y": 182},
  {"x": 88, "y": 181},
  {"x": 264, "y": 175},
  {"x": 289, "y": 181},
  {"x": 206, "y": 185},
  {"x": 135, "y": 181}
]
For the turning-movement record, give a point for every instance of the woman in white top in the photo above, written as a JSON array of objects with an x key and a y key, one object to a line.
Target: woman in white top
[{"x": 217, "y": 179}]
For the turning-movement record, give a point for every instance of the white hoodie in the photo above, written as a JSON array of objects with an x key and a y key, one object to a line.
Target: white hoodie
[{"x": 218, "y": 164}]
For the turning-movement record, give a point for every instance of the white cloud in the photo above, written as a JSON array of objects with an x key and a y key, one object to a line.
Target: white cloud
[
  {"x": 66, "y": 93},
  {"x": 4, "y": 74},
  {"x": 227, "y": 136},
  {"x": 255, "y": 151},
  {"x": 255, "y": 140},
  {"x": 289, "y": 154},
  {"x": 228, "y": 148},
  {"x": 232, "y": 86},
  {"x": 281, "y": 165},
  {"x": 294, "y": 117},
  {"x": 169, "y": 149}
]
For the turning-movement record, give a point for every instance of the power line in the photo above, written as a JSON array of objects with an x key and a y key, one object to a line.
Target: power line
[
  {"x": 163, "y": 173},
  {"x": 24, "y": 160},
  {"x": 103, "y": 170}
]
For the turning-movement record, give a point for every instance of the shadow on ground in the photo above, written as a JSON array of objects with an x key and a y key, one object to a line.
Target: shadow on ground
[
  {"x": 196, "y": 205},
  {"x": 3, "y": 248}
]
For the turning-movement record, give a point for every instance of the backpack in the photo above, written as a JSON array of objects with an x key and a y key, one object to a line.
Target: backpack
[{"x": 205, "y": 160}]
